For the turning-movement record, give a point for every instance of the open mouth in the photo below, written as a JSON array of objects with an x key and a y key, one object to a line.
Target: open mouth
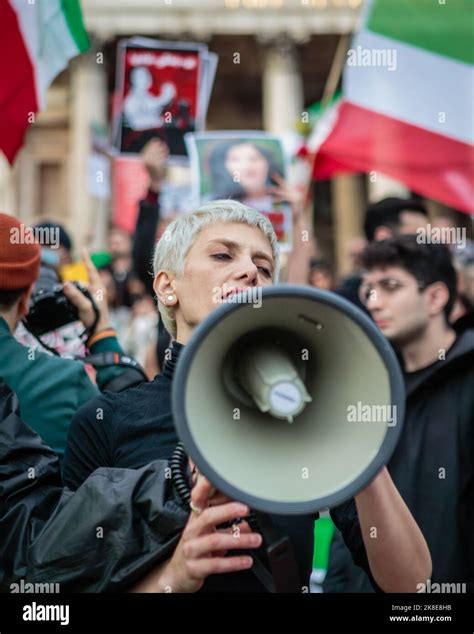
[{"x": 233, "y": 291}]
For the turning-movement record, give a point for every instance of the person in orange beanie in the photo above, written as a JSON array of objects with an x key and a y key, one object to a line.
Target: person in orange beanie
[{"x": 49, "y": 388}]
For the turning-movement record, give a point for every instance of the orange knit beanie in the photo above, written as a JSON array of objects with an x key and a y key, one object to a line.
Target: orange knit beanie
[{"x": 19, "y": 254}]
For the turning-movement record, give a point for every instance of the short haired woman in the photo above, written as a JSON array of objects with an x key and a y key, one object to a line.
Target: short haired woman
[{"x": 201, "y": 259}]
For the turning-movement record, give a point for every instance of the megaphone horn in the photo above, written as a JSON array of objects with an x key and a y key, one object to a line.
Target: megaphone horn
[{"x": 264, "y": 400}]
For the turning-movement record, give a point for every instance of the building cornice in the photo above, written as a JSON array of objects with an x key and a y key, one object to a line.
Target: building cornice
[{"x": 203, "y": 18}]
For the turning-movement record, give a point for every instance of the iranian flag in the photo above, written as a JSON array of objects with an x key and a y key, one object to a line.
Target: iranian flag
[
  {"x": 407, "y": 108},
  {"x": 38, "y": 38}
]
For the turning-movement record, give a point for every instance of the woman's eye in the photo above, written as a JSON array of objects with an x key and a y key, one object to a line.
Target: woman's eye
[
  {"x": 221, "y": 256},
  {"x": 265, "y": 271}
]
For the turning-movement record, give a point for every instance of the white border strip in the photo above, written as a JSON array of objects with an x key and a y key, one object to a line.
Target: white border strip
[
  {"x": 424, "y": 89},
  {"x": 48, "y": 41}
]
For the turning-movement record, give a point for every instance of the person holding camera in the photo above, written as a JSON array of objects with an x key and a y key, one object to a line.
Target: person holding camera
[{"x": 50, "y": 389}]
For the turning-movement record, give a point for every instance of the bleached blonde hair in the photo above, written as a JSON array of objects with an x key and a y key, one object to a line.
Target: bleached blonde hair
[{"x": 180, "y": 235}]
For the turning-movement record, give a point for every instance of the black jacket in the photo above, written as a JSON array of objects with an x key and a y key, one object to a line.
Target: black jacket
[
  {"x": 51, "y": 534},
  {"x": 433, "y": 468}
]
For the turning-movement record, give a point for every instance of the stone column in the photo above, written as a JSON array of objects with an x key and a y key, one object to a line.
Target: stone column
[
  {"x": 348, "y": 206},
  {"x": 88, "y": 105},
  {"x": 283, "y": 97},
  {"x": 8, "y": 193}
]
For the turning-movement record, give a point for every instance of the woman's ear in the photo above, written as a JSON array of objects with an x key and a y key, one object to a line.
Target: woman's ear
[{"x": 163, "y": 287}]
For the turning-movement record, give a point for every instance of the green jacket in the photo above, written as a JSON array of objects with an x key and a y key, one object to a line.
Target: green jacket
[{"x": 51, "y": 389}]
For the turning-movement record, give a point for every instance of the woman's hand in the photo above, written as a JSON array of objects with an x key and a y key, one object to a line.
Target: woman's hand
[
  {"x": 282, "y": 192},
  {"x": 202, "y": 548},
  {"x": 154, "y": 156}
]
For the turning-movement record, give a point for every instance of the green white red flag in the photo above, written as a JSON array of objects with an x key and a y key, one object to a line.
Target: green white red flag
[
  {"x": 37, "y": 40},
  {"x": 407, "y": 108}
]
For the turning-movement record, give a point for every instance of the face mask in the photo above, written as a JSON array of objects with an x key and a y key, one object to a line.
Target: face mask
[{"x": 49, "y": 257}]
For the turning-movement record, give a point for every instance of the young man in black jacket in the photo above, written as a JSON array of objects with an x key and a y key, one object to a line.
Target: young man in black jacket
[{"x": 409, "y": 290}]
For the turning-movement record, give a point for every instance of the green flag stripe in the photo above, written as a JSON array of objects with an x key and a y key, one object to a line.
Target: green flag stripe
[
  {"x": 443, "y": 28},
  {"x": 73, "y": 15}
]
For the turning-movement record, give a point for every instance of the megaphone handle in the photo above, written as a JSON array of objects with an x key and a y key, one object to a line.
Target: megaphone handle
[{"x": 280, "y": 554}]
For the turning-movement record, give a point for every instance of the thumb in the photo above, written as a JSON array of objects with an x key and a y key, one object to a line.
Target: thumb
[
  {"x": 75, "y": 296},
  {"x": 201, "y": 493}
]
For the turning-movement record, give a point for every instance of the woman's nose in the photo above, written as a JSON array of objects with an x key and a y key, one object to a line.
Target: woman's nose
[{"x": 248, "y": 270}]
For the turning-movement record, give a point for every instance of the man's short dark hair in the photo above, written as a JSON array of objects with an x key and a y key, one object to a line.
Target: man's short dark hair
[
  {"x": 386, "y": 213},
  {"x": 428, "y": 263},
  {"x": 8, "y": 298}
]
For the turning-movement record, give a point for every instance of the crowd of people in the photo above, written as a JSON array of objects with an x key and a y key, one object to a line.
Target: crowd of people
[{"x": 87, "y": 442}]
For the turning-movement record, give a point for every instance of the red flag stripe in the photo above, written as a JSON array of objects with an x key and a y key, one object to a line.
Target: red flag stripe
[
  {"x": 430, "y": 164},
  {"x": 17, "y": 83}
]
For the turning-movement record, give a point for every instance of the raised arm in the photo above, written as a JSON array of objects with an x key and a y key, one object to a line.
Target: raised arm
[
  {"x": 154, "y": 155},
  {"x": 304, "y": 244}
]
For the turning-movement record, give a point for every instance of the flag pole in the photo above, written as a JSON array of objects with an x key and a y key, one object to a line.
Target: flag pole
[
  {"x": 329, "y": 91},
  {"x": 330, "y": 87}
]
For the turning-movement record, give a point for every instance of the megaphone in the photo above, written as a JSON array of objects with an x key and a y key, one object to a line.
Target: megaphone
[{"x": 290, "y": 404}]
